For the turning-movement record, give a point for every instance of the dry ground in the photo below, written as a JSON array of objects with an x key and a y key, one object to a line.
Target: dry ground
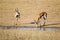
[
  {"x": 29, "y": 35},
  {"x": 28, "y": 10}
]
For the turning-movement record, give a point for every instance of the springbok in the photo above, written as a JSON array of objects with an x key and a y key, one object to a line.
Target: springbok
[
  {"x": 39, "y": 16},
  {"x": 17, "y": 15}
]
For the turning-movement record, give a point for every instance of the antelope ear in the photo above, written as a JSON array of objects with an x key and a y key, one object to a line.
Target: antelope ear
[{"x": 16, "y": 9}]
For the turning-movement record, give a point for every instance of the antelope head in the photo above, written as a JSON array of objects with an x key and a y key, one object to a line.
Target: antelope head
[{"x": 35, "y": 22}]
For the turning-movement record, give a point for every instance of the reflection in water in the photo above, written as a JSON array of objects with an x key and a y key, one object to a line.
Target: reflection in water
[{"x": 18, "y": 28}]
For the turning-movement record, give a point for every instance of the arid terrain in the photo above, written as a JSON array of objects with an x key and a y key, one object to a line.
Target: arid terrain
[
  {"x": 29, "y": 9},
  {"x": 29, "y": 35}
]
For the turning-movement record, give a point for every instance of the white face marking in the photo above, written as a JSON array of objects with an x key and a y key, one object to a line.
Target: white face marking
[
  {"x": 44, "y": 16},
  {"x": 17, "y": 13},
  {"x": 45, "y": 20}
]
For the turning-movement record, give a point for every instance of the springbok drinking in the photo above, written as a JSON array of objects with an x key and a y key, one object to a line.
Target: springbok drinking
[
  {"x": 39, "y": 16},
  {"x": 17, "y": 15}
]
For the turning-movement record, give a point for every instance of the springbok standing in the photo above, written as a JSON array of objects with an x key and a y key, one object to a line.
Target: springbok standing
[
  {"x": 39, "y": 16},
  {"x": 17, "y": 15}
]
